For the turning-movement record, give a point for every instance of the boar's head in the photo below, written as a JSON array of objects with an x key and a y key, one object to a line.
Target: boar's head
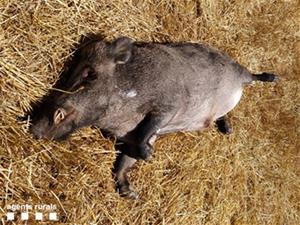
[{"x": 86, "y": 91}]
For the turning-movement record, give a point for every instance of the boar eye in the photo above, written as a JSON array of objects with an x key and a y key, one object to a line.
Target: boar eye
[{"x": 59, "y": 115}]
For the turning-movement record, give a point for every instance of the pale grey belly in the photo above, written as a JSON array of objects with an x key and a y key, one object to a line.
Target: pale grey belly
[{"x": 198, "y": 118}]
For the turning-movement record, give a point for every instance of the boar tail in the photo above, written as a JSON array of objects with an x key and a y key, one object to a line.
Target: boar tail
[{"x": 265, "y": 77}]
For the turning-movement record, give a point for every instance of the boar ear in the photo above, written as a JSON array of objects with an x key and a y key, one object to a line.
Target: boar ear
[
  {"x": 121, "y": 49},
  {"x": 59, "y": 115},
  {"x": 89, "y": 73}
]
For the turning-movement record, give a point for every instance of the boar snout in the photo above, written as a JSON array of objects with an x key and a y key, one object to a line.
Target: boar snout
[
  {"x": 57, "y": 126},
  {"x": 38, "y": 128}
]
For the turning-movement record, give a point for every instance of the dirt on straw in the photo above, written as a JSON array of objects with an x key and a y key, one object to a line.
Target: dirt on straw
[{"x": 249, "y": 177}]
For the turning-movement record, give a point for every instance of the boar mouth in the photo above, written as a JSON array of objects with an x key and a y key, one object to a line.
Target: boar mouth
[{"x": 66, "y": 135}]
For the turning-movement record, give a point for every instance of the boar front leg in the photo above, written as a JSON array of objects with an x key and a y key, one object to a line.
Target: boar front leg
[
  {"x": 122, "y": 165},
  {"x": 138, "y": 142}
]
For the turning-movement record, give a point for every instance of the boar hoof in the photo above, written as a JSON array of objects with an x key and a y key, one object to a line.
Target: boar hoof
[
  {"x": 223, "y": 126},
  {"x": 225, "y": 130},
  {"x": 128, "y": 192},
  {"x": 145, "y": 151}
]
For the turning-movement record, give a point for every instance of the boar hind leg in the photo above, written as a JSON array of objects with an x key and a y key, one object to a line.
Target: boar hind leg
[
  {"x": 122, "y": 165},
  {"x": 138, "y": 142},
  {"x": 223, "y": 125}
]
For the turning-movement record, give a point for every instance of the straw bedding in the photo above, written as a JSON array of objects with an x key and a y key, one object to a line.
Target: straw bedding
[{"x": 249, "y": 177}]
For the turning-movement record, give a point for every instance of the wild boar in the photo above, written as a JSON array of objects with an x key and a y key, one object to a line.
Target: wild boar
[{"x": 138, "y": 91}]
